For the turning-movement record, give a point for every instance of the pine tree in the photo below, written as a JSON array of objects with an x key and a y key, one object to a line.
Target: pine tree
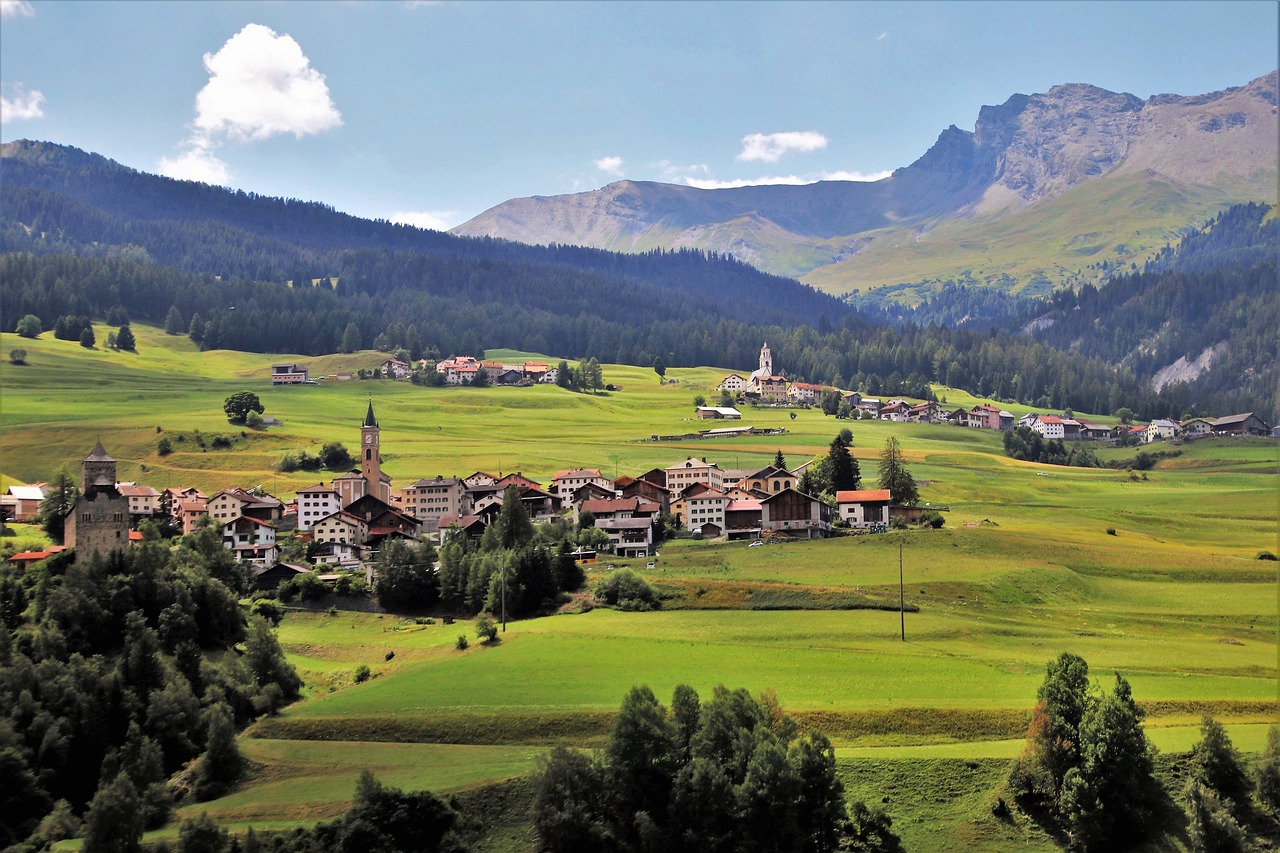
[
  {"x": 894, "y": 475},
  {"x": 124, "y": 339}
]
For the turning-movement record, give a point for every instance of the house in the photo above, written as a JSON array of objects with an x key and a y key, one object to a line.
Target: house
[
  {"x": 289, "y": 374},
  {"x": 701, "y": 509},
  {"x": 430, "y": 500},
  {"x": 614, "y": 508},
  {"x": 383, "y": 520},
  {"x": 534, "y": 371},
  {"x": 1093, "y": 432},
  {"x": 769, "y": 480},
  {"x": 684, "y": 474},
  {"x": 551, "y": 377},
  {"x": 250, "y": 539},
  {"x": 628, "y": 537},
  {"x": 1197, "y": 428},
  {"x": 343, "y": 554},
  {"x": 143, "y": 500},
  {"x": 717, "y": 413},
  {"x": 492, "y": 370},
  {"x": 1071, "y": 429},
  {"x": 1049, "y": 426},
  {"x": 742, "y": 518},
  {"x": 731, "y": 477},
  {"x": 869, "y": 406},
  {"x": 632, "y": 487},
  {"x": 733, "y": 383},
  {"x": 1243, "y": 424},
  {"x": 984, "y": 416},
  {"x": 772, "y": 389},
  {"x": 895, "y": 410},
  {"x": 592, "y": 492},
  {"x": 565, "y": 484},
  {"x": 25, "y": 501},
  {"x": 316, "y": 502},
  {"x": 188, "y": 512},
  {"x": 793, "y": 513},
  {"x": 270, "y": 577},
  {"x": 230, "y": 504},
  {"x": 1161, "y": 429},
  {"x": 394, "y": 368},
  {"x": 864, "y": 509},
  {"x": 27, "y": 559},
  {"x": 341, "y": 527},
  {"x": 471, "y": 526},
  {"x": 925, "y": 413},
  {"x": 805, "y": 392},
  {"x": 509, "y": 376}
]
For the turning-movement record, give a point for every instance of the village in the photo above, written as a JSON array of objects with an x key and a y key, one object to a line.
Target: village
[{"x": 346, "y": 522}]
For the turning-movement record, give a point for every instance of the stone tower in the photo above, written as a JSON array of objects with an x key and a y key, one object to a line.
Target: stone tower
[{"x": 100, "y": 520}]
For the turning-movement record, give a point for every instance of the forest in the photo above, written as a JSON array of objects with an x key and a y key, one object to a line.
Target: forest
[{"x": 84, "y": 237}]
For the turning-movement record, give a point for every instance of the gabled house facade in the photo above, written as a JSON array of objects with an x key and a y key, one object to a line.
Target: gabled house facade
[
  {"x": 684, "y": 474},
  {"x": 864, "y": 509},
  {"x": 430, "y": 500},
  {"x": 250, "y": 539},
  {"x": 565, "y": 484},
  {"x": 795, "y": 514}
]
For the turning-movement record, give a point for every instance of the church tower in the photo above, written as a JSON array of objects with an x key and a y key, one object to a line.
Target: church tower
[
  {"x": 371, "y": 452},
  {"x": 766, "y": 361}
]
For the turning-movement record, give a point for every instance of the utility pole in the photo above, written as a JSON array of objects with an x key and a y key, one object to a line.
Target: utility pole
[
  {"x": 504, "y": 596},
  {"x": 902, "y": 612}
]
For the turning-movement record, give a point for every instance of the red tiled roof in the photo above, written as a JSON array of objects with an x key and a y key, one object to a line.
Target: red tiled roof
[{"x": 862, "y": 496}]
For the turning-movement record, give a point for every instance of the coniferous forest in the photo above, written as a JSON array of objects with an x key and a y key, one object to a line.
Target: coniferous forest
[{"x": 82, "y": 236}]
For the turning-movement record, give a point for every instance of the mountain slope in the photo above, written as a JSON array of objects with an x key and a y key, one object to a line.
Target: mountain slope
[
  {"x": 1028, "y": 163},
  {"x": 58, "y": 198}
]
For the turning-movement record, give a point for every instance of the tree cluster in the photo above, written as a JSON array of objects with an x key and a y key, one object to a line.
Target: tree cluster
[
  {"x": 112, "y": 677},
  {"x": 532, "y": 568},
  {"x": 731, "y": 774},
  {"x": 1087, "y": 762},
  {"x": 1225, "y": 804},
  {"x": 1030, "y": 446}
]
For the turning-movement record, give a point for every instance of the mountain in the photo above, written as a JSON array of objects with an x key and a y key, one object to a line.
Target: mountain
[{"x": 1046, "y": 189}]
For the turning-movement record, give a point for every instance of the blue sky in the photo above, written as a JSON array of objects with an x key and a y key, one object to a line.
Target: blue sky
[{"x": 431, "y": 112}]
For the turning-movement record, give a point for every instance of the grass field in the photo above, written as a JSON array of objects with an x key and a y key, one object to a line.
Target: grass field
[{"x": 1024, "y": 569}]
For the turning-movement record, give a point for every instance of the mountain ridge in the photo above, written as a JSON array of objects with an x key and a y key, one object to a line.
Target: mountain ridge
[{"x": 1217, "y": 149}]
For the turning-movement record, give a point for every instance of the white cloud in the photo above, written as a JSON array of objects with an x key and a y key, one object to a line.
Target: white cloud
[
  {"x": 435, "y": 220},
  {"x": 884, "y": 35},
  {"x": 421, "y": 4},
  {"x": 22, "y": 104},
  {"x": 783, "y": 180},
  {"x": 610, "y": 165},
  {"x": 668, "y": 172},
  {"x": 197, "y": 163},
  {"x": 769, "y": 147},
  {"x": 16, "y": 9},
  {"x": 260, "y": 85}
]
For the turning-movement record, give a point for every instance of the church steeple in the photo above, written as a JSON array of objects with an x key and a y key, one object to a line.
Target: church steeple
[
  {"x": 371, "y": 458},
  {"x": 369, "y": 419}
]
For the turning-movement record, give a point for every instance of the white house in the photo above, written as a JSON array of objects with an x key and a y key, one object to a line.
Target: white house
[
  {"x": 733, "y": 383},
  {"x": 316, "y": 502},
  {"x": 865, "y": 508},
  {"x": 1161, "y": 429}
]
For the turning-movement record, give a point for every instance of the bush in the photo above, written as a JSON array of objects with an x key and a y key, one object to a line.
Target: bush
[
  {"x": 164, "y": 446},
  {"x": 306, "y": 587},
  {"x": 362, "y": 674},
  {"x": 626, "y": 590},
  {"x": 462, "y": 643},
  {"x": 932, "y": 519},
  {"x": 268, "y": 609},
  {"x": 486, "y": 628},
  {"x": 221, "y": 442},
  {"x": 1111, "y": 531},
  {"x": 17, "y": 356},
  {"x": 1266, "y": 555}
]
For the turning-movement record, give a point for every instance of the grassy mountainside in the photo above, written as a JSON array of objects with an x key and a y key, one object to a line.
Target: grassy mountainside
[{"x": 1024, "y": 569}]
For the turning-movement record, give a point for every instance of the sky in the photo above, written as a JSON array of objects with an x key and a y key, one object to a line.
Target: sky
[{"x": 430, "y": 113}]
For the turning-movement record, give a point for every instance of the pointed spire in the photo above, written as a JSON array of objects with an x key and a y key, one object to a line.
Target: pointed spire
[
  {"x": 99, "y": 454},
  {"x": 369, "y": 419}
]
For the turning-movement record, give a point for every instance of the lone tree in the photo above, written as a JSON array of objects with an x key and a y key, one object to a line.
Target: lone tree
[
  {"x": 660, "y": 368},
  {"x": 894, "y": 475},
  {"x": 29, "y": 326},
  {"x": 842, "y": 467},
  {"x": 239, "y": 405},
  {"x": 124, "y": 339}
]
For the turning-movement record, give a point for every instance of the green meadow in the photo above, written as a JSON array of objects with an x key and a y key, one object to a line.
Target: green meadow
[{"x": 1156, "y": 579}]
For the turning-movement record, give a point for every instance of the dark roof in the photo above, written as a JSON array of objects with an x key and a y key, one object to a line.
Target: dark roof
[
  {"x": 99, "y": 454},
  {"x": 369, "y": 419}
]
